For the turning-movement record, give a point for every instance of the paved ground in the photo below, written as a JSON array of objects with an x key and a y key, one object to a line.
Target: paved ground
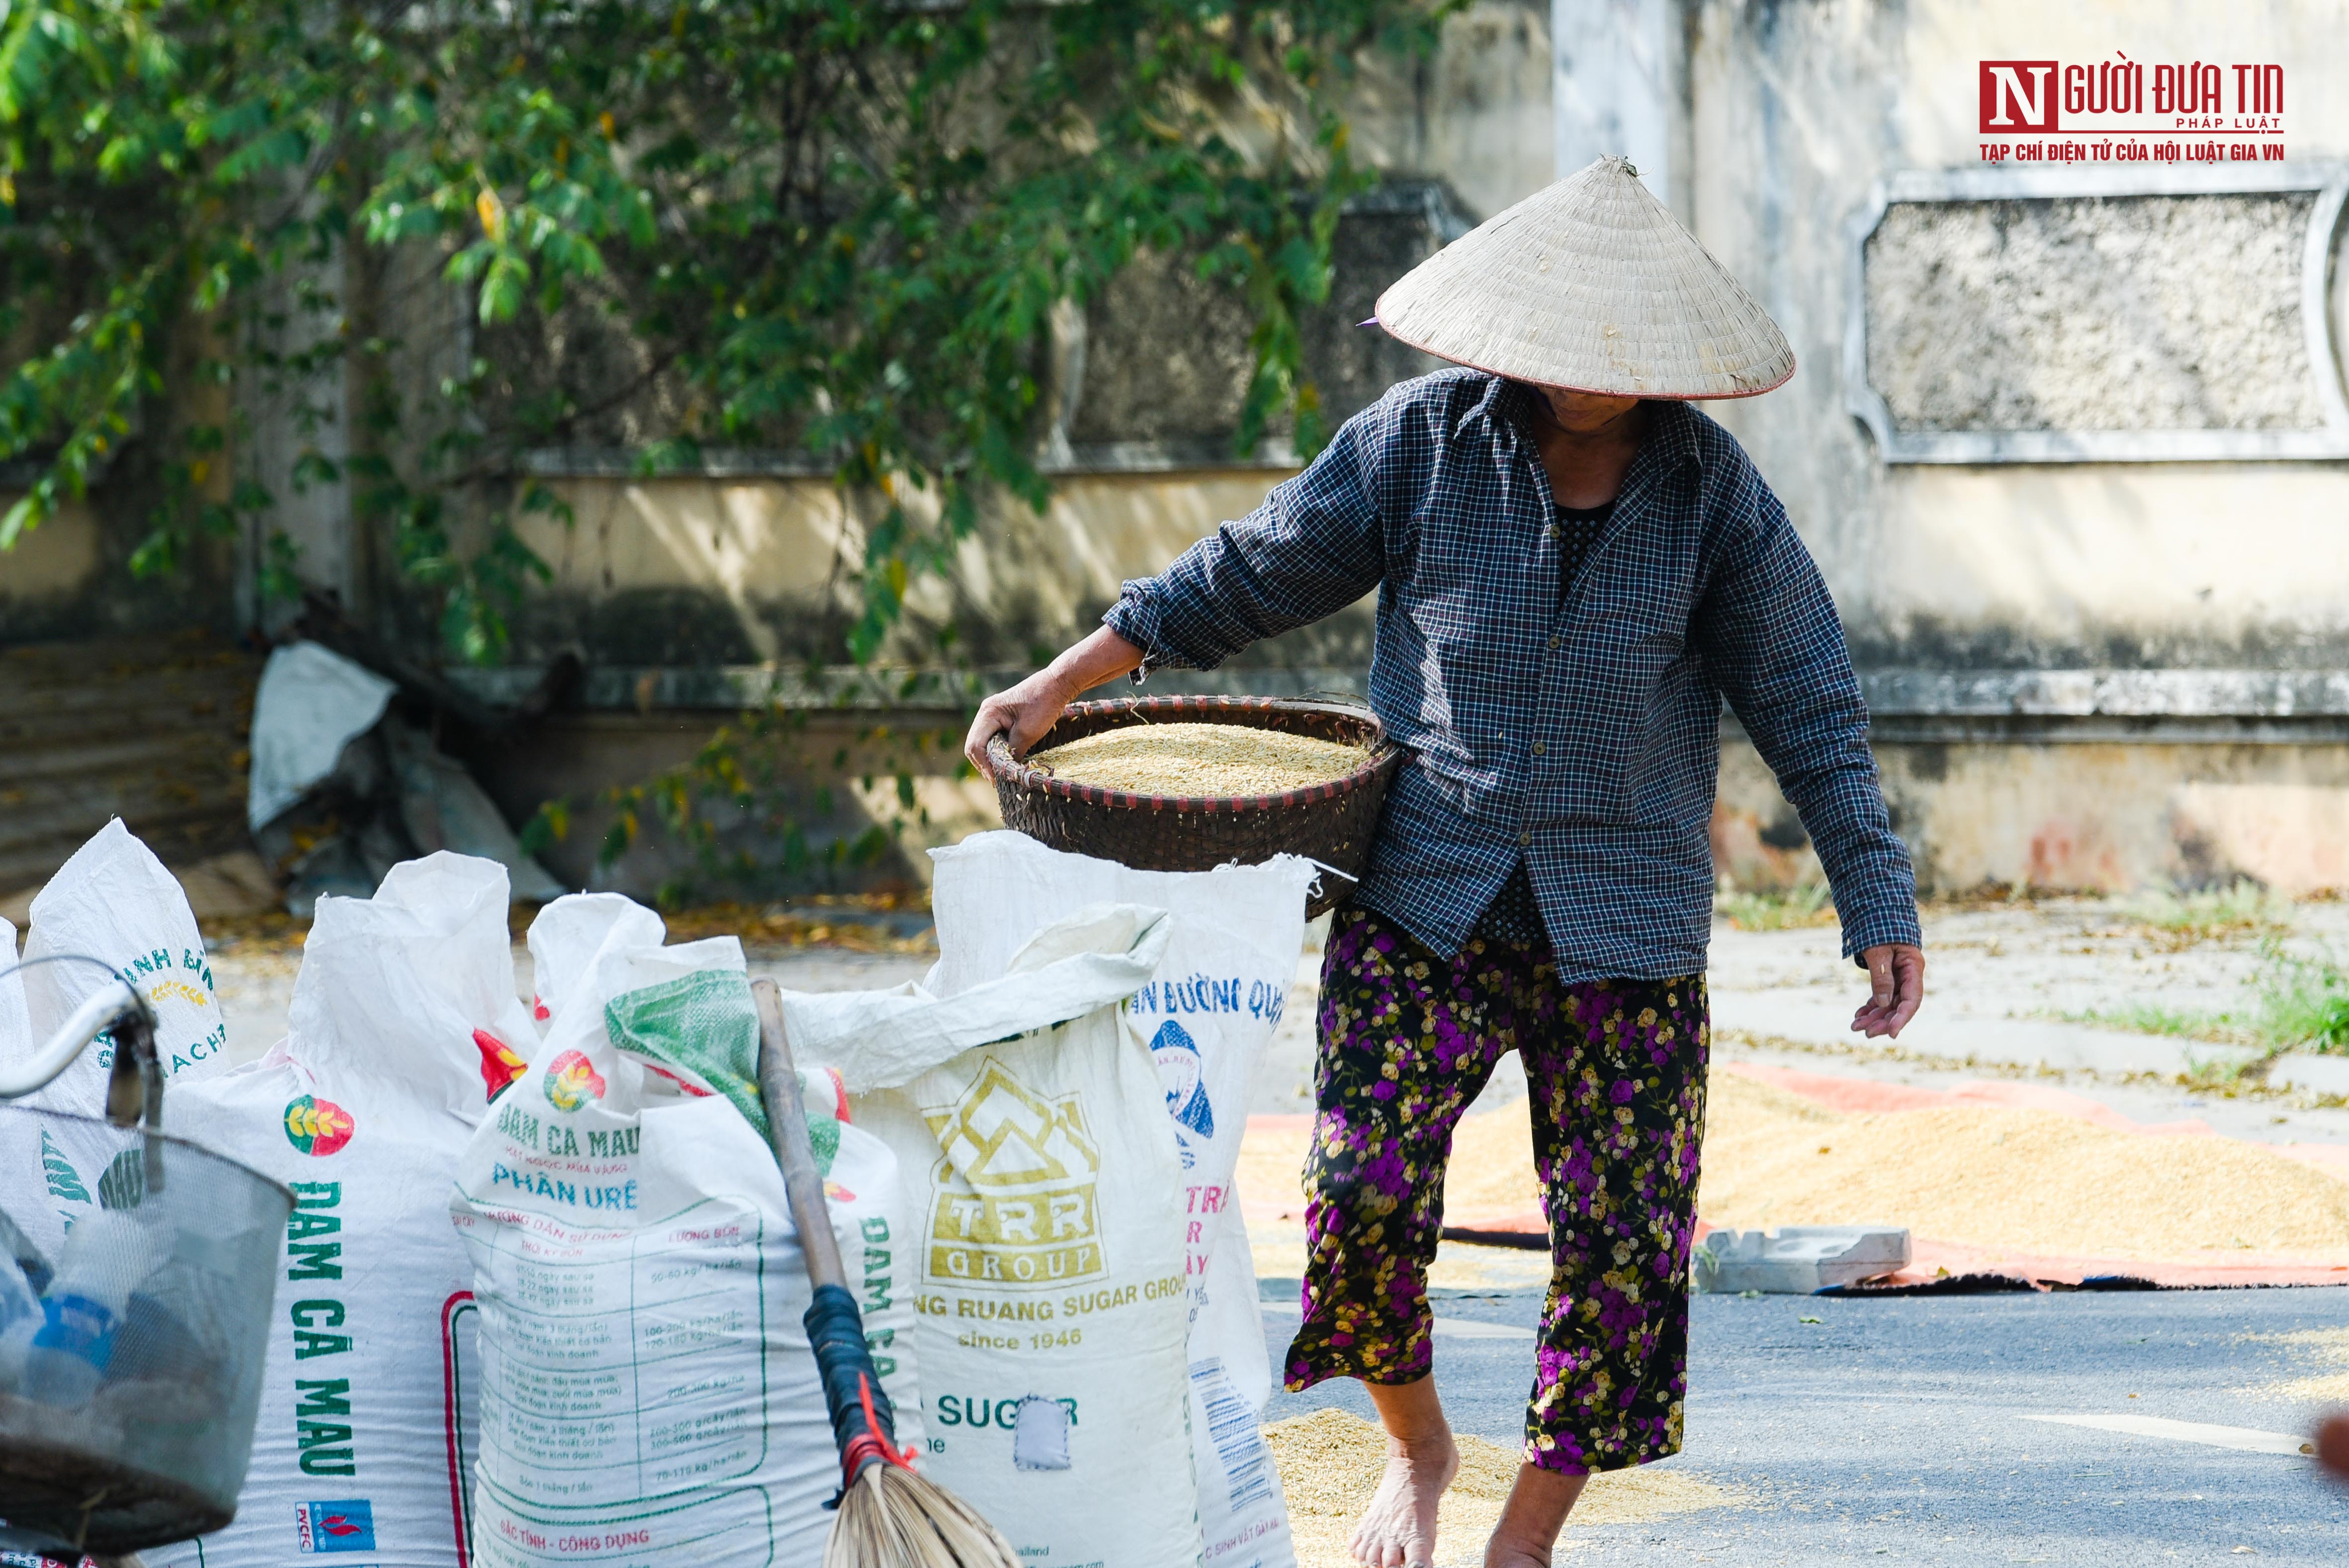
[
  {"x": 1927, "y": 1429},
  {"x": 2001, "y": 983}
]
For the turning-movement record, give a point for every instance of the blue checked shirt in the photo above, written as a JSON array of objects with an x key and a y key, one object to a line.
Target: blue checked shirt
[{"x": 1581, "y": 736}]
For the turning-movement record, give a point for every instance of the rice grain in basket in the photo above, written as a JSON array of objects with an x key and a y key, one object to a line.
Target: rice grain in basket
[{"x": 1201, "y": 760}]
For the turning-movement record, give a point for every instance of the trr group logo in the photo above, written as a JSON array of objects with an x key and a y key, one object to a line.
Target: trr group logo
[{"x": 2127, "y": 111}]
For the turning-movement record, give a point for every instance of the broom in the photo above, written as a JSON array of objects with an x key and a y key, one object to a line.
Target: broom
[{"x": 888, "y": 1516}]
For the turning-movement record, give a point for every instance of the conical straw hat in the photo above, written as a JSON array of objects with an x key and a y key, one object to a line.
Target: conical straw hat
[{"x": 1590, "y": 285}]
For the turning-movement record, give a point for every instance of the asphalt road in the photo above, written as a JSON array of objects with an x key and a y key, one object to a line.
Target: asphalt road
[{"x": 1944, "y": 1430}]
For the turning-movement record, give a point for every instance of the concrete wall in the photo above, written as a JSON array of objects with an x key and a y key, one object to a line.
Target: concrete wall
[
  {"x": 2010, "y": 576},
  {"x": 1799, "y": 109}
]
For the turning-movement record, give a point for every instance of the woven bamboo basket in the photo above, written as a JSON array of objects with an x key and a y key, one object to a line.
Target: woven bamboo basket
[{"x": 1331, "y": 823}]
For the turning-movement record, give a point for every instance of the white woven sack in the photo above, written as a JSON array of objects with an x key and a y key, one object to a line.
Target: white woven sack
[
  {"x": 1206, "y": 1013},
  {"x": 649, "y": 1397},
  {"x": 15, "y": 1023},
  {"x": 367, "y": 1418},
  {"x": 1047, "y": 1189},
  {"x": 113, "y": 900}
]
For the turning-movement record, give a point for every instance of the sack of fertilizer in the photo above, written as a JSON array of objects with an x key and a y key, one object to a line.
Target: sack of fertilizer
[
  {"x": 113, "y": 901},
  {"x": 649, "y": 1397},
  {"x": 1047, "y": 1197},
  {"x": 368, "y": 1405},
  {"x": 1206, "y": 1013},
  {"x": 566, "y": 935}
]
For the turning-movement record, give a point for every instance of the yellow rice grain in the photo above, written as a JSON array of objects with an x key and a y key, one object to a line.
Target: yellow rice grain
[
  {"x": 2030, "y": 1181},
  {"x": 2320, "y": 1355},
  {"x": 1200, "y": 759},
  {"x": 1330, "y": 1463}
]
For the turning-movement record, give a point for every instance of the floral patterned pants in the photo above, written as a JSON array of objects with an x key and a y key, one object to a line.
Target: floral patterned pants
[{"x": 1616, "y": 1072}]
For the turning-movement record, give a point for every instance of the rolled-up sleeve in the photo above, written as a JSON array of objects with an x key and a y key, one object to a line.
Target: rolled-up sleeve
[
  {"x": 1774, "y": 646},
  {"x": 1314, "y": 547}
]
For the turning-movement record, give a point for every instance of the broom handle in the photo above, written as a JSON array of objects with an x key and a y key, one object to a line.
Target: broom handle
[{"x": 787, "y": 1131}]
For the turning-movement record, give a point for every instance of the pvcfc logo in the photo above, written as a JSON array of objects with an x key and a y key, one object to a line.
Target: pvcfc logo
[
  {"x": 1015, "y": 1202},
  {"x": 347, "y": 1525}
]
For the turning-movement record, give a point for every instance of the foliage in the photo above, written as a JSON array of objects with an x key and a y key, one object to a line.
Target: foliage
[
  {"x": 2303, "y": 1002},
  {"x": 742, "y": 806},
  {"x": 835, "y": 227},
  {"x": 1806, "y": 903},
  {"x": 2297, "y": 1002},
  {"x": 2214, "y": 914}
]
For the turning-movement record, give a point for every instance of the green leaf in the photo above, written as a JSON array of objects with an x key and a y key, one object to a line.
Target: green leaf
[
  {"x": 65, "y": 1183},
  {"x": 124, "y": 1184}
]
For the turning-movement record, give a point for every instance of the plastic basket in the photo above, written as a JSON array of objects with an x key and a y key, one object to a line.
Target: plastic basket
[{"x": 131, "y": 1356}]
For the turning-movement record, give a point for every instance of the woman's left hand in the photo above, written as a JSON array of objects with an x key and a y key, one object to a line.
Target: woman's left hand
[{"x": 1896, "y": 984}]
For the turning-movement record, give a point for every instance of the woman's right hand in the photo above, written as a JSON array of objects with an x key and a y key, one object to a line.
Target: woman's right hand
[{"x": 1030, "y": 708}]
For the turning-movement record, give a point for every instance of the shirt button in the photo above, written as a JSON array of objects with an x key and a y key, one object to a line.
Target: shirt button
[
  {"x": 1555, "y": 530},
  {"x": 1541, "y": 749},
  {"x": 1525, "y": 838},
  {"x": 1556, "y": 641}
]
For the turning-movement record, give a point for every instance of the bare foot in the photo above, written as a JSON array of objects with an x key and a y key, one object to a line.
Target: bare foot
[
  {"x": 1398, "y": 1530},
  {"x": 1526, "y": 1536}
]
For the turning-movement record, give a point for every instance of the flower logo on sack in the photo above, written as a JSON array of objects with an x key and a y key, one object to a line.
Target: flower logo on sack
[
  {"x": 573, "y": 1081},
  {"x": 501, "y": 1068},
  {"x": 317, "y": 1126}
]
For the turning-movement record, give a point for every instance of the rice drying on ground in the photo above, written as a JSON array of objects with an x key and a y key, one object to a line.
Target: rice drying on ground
[
  {"x": 1200, "y": 759},
  {"x": 2028, "y": 1181},
  {"x": 2323, "y": 1348},
  {"x": 1330, "y": 1463},
  {"x": 2025, "y": 1181}
]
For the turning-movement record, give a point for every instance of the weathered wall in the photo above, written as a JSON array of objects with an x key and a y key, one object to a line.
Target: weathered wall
[
  {"x": 695, "y": 572},
  {"x": 1798, "y": 109},
  {"x": 70, "y": 578},
  {"x": 2104, "y": 816}
]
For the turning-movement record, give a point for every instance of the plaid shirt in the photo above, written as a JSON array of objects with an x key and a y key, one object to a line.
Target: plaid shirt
[{"x": 1582, "y": 739}]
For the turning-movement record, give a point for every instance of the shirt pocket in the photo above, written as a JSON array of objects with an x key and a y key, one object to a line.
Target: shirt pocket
[{"x": 1626, "y": 679}]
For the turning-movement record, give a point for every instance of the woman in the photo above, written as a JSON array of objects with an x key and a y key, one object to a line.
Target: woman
[{"x": 1574, "y": 568}]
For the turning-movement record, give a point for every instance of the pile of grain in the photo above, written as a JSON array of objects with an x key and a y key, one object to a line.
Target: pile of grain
[
  {"x": 1330, "y": 1463},
  {"x": 2030, "y": 1181},
  {"x": 1200, "y": 759}
]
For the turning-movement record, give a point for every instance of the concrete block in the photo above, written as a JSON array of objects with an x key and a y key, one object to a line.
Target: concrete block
[
  {"x": 2310, "y": 1074},
  {"x": 1795, "y": 1260}
]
